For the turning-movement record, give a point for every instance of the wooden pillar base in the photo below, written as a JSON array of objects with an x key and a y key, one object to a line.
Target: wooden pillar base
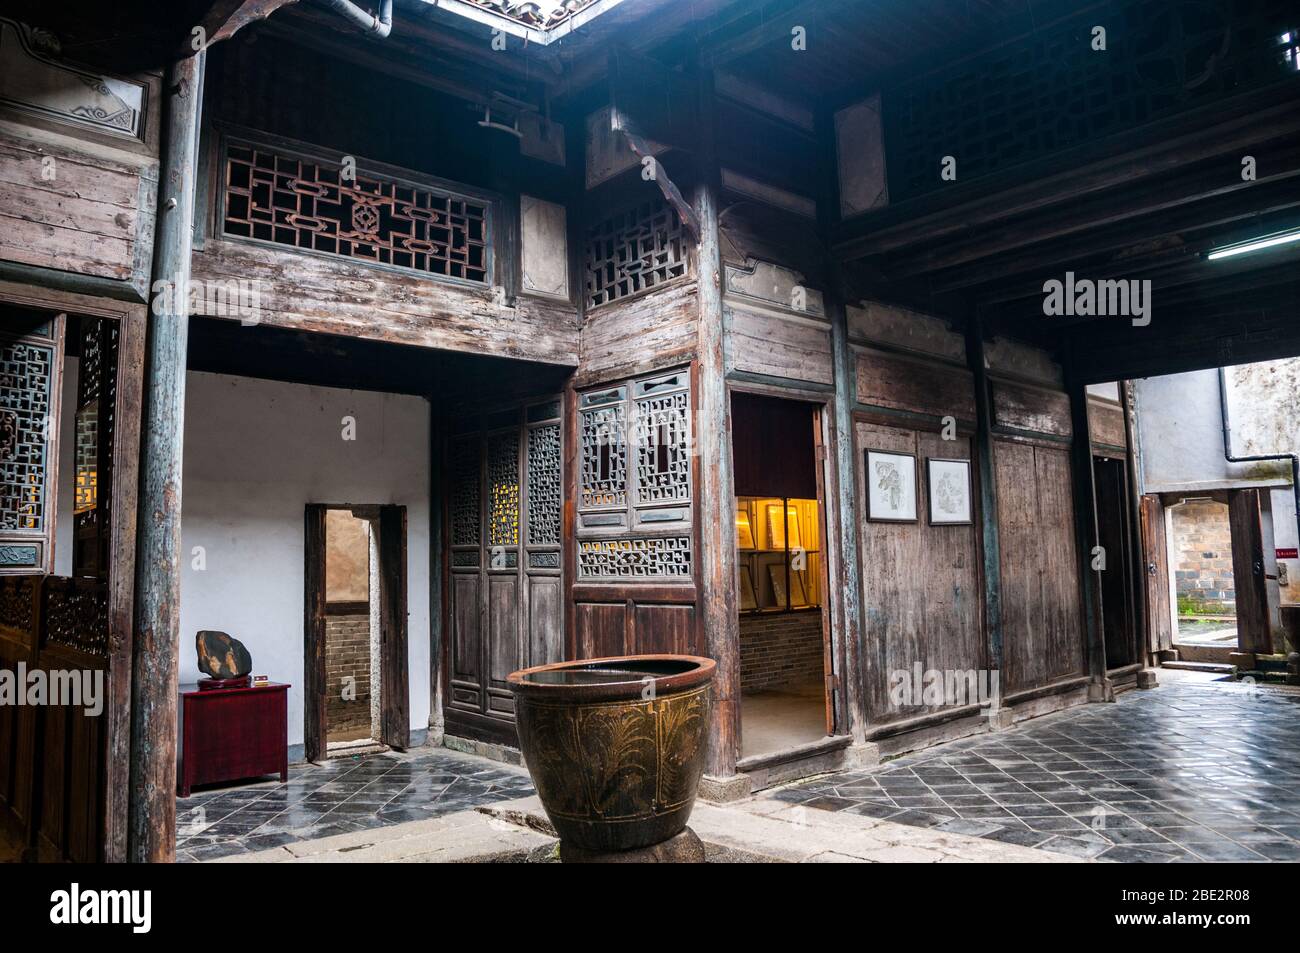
[{"x": 684, "y": 847}]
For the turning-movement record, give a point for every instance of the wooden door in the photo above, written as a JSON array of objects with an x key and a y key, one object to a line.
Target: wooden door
[
  {"x": 1254, "y": 570},
  {"x": 314, "y": 633},
  {"x": 504, "y": 598},
  {"x": 394, "y": 686},
  {"x": 1114, "y": 523},
  {"x": 1155, "y": 561}
]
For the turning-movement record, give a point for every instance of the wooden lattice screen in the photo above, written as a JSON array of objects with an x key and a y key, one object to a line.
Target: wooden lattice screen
[
  {"x": 1050, "y": 90},
  {"x": 31, "y": 366},
  {"x": 635, "y": 481},
  {"x": 634, "y": 251},
  {"x": 315, "y": 204}
]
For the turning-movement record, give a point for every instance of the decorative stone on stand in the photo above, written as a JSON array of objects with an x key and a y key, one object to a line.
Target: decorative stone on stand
[{"x": 223, "y": 658}]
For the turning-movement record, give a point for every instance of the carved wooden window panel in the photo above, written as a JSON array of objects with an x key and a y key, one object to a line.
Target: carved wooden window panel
[
  {"x": 306, "y": 203},
  {"x": 635, "y": 517},
  {"x": 634, "y": 251},
  {"x": 30, "y": 376}
]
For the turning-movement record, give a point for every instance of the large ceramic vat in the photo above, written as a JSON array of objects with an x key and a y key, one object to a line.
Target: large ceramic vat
[{"x": 615, "y": 746}]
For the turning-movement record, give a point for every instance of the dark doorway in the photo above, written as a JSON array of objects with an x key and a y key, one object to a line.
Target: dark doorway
[
  {"x": 356, "y": 693},
  {"x": 1118, "y": 581},
  {"x": 781, "y": 574}
]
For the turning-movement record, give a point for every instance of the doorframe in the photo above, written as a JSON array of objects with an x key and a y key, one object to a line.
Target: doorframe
[
  {"x": 824, "y": 453},
  {"x": 389, "y": 523}
]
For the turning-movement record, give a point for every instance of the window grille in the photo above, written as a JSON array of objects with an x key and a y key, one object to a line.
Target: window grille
[
  {"x": 633, "y": 251},
  {"x": 307, "y": 203}
]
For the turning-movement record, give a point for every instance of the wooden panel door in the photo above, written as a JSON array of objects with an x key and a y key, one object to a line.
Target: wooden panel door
[
  {"x": 1155, "y": 560},
  {"x": 1254, "y": 570},
  {"x": 503, "y": 539}
]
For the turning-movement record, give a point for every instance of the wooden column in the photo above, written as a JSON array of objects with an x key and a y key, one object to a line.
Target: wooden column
[
  {"x": 991, "y": 543},
  {"x": 1086, "y": 535},
  {"x": 152, "y": 821},
  {"x": 714, "y": 477},
  {"x": 848, "y": 626}
]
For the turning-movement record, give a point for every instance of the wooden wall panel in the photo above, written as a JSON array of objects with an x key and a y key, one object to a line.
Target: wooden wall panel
[
  {"x": 333, "y": 295},
  {"x": 545, "y": 615},
  {"x": 504, "y": 650},
  {"x": 601, "y": 629},
  {"x": 1033, "y": 409},
  {"x": 466, "y": 644},
  {"x": 630, "y": 337},
  {"x": 1042, "y": 622},
  {"x": 922, "y": 387},
  {"x": 775, "y": 346},
  {"x": 665, "y": 629},
  {"x": 921, "y": 583}
]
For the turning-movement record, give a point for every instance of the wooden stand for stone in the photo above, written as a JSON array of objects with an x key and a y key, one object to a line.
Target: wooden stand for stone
[{"x": 684, "y": 847}]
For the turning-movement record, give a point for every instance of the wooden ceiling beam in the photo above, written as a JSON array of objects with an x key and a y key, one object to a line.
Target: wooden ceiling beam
[
  {"x": 1127, "y": 158},
  {"x": 225, "y": 18}
]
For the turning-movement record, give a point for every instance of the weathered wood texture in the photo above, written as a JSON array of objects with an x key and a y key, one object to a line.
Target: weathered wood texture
[
  {"x": 920, "y": 583},
  {"x": 1021, "y": 407},
  {"x": 314, "y": 678},
  {"x": 1043, "y": 636},
  {"x": 778, "y": 345},
  {"x": 152, "y": 820},
  {"x": 70, "y": 203},
  {"x": 1155, "y": 572},
  {"x": 311, "y": 292},
  {"x": 921, "y": 387},
  {"x": 635, "y": 335},
  {"x": 1106, "y": 426},
  {"x": 1254, "y": 570}
]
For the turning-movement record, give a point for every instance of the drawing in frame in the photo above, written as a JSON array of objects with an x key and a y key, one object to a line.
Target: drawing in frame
[
  {"x": 949, "y": 492},
  {"x": 744, "y": 532},
  {"x": 748, "y": 601},
  {"x": 779, "y": 535},
  {"x": 891, "y": 486}
]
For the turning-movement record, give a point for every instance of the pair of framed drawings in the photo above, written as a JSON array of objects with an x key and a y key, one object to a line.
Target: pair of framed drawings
[{"x": 892, "y": 485}]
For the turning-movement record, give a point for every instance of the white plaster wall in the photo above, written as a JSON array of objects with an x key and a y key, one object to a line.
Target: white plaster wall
[
  {"x": 1180, "y": 437},
  {"x": 256, "y": 453}
]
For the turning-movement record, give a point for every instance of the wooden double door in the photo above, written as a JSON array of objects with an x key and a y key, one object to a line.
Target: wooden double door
[{"x": 502, "y": 520}]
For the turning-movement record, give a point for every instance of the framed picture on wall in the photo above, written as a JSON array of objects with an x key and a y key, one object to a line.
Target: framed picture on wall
[
  {"x": 744, "y": 532},
  {"x": 777, "y": 533},
  {"x": 891, "y": 486},
  {"x": 950, "y": 492},
  {"x": 748, "y": 601}
]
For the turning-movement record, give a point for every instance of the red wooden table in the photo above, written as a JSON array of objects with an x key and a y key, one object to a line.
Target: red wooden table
[{"x": 227, "y": 734}]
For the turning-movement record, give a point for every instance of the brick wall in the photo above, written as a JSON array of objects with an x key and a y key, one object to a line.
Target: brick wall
[
  {"x": 1201, "y": 556},
  {"x": 347, "y": 652},
  {"x": 778, "y": 649}
]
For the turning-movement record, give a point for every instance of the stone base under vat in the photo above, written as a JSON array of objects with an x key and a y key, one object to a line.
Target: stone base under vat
[{"x": 682, "y": 848}]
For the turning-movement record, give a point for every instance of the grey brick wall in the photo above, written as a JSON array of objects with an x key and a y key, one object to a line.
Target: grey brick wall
[
  {"x": 778, "y": 649},
  {"x": 1202, "y": 556},
  {"x": 347, "y": 652}
]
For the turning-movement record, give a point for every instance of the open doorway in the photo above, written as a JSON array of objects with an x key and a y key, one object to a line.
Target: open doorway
[
  {"x": 781, "y": 581},
  {"x": 1205, "y": 598},
  {"x": 356, "y": 687}
]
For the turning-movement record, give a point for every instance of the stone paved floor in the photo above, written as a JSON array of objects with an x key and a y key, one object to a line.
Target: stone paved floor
[
  {"x": 340, "y": 796},
  {"x": 1195, "y": 770}
]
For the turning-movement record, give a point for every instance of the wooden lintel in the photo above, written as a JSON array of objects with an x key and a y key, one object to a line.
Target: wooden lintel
[{"x": 640, "y": 148}]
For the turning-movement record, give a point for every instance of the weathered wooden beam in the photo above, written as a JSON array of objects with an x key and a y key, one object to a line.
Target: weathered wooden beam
[
  {"x": 719, "y": 618},
  {"x": 151, "y": 833},
  {"x": 624, "y": 124},
  {"x": 225, "y": 18}
]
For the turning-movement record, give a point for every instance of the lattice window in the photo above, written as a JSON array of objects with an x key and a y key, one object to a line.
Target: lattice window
[
  {"x": 1051, "y": 91},
  {"x": 634, "y": 251},
  {"x": 635, "y": 558},
  {"x": 663, "y": 463},
  {"x": 544, "y": 496},
  {"x": 465, "y": 492},
  {"x": 603, "y": 471},
  {"x": 503, "y": 489},
  {"x": 26, "y": 384},
  {"x": 306, "y": 203}
]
